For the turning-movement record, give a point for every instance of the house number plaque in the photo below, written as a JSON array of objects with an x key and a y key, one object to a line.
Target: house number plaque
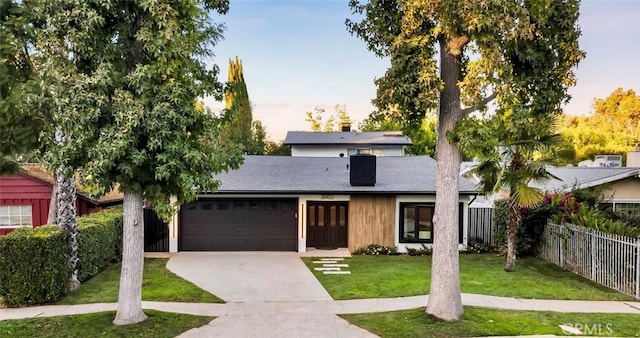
[{"x": 326, "y": 197}]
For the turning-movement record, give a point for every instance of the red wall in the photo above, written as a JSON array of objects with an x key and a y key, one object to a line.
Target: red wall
[{"x": 25, "y": 190}]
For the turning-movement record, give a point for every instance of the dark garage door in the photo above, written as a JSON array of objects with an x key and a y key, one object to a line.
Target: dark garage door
[{"x": 239, "y": 225}]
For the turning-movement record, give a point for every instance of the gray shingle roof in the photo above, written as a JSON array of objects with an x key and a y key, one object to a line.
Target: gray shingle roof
[
  {"x": 287, "y": 174},
  {"x": 585, "y": 177},
  {"x": 319, "y": 138}
]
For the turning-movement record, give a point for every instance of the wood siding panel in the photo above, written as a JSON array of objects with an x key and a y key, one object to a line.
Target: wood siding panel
[
  {"x": 371, "y": 220},
  {"x": 24, "y": 187}
]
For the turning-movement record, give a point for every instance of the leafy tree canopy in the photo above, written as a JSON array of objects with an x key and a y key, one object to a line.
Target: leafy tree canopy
[{"x": 331, "y": 122}]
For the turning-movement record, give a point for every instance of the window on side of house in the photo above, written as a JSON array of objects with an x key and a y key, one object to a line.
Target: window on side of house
[
  {"x": 359, "y": 151},
  {"x": 15, "y": 216},
  {"x": 630, "y": 209},
  {"x": 416, "y": 222}
]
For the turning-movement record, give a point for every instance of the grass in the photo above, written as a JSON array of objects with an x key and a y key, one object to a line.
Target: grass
[
  {"x": 159, "y": 324},
  {"x": 158, "y": 284},
  {"x": 492, "y": 322},
  {"x": 397, "y": 276}
]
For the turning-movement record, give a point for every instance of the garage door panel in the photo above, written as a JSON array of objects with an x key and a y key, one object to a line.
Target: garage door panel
[{"x": 229, "y": 225}]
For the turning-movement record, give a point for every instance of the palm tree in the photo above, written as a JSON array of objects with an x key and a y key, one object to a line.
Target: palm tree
[{"x": 519, "y": 159}]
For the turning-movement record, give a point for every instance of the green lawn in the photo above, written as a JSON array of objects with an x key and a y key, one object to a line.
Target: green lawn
[
  {"x": 492, "y": 322},
  {"x": 396, "y": 276},
  {"x": 159, "y": 324},
  {"x": 159, "y": 284}
]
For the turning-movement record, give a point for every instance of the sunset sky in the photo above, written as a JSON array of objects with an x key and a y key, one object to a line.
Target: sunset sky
[{"x": 298, "y": 55}]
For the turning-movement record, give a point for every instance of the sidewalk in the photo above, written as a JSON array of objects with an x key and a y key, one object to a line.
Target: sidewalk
[{"x": 331, "y": 307}]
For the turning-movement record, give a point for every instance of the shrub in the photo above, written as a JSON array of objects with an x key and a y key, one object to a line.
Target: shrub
[
  {"x": 477, "y": 246},
  {"x": 422, "y": 251},
  {"x": 530, "y": 230},
  {"x": 34, "y": 265},
  {"x": 376, "y": 249},
  {"x": 100, "y": 241}
]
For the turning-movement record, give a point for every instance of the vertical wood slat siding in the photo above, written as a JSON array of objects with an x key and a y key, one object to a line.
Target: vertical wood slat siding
[
  {"x": 609, "y": 259},
  {"x": 371, "y": 220}
]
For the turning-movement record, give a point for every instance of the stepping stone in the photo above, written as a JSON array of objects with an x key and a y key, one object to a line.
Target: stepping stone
[
  {"x": 322, "y": 262},
  {"x": 337, "y": 265},
  {"x": 332, "y": 259},
  {"x": 327, "y": 269},
  {"x": 337, "y": 272}
]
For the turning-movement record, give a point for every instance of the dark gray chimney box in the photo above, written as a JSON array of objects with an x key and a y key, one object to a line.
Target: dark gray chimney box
[{"x": 362, "y": 170}]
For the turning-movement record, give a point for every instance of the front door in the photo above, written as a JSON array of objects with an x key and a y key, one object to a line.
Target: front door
[{"x": 327, "y": 224}]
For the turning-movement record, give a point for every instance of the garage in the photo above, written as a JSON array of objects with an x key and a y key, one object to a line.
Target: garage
[{"x": 239, "y": 225}]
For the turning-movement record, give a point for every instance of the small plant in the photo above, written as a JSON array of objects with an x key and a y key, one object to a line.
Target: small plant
[
  {"x": 477, "y": 246},
  {"x": 376, "y": 249},
  {"x": 422, "y": 251}
]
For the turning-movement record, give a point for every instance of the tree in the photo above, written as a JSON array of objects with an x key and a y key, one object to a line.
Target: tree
[
  {"x": 333, "y": 122},
  {"x": 487, "y": 51},
  {"x": 612, "y": 128},
  {"x": 513, "y": 154},
  {"x": 238, "y": 127},
  {"x": 422, "y": 135},
  {"x": 137, "y": 74},
  {"x": 618, "y": 112},
  {"x": 20, "y": 126},
  {"x": 277, "y": 149}
]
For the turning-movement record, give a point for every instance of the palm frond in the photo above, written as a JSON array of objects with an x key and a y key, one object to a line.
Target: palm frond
[{"x": 526, "y": 196}]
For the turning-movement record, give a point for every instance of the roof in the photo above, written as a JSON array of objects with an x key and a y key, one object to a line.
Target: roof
[
  {"x": 292, "y": 174},
  {"x": 354, "y": 137},
  {"x": 38, "y": 171},
  {"x": 585, "y": 177}
]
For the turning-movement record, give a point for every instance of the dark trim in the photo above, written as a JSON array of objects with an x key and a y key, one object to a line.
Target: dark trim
[{"x": 432, "y": 205}]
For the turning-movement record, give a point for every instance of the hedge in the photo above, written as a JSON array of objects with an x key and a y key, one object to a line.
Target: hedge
[
  {"x": 34, "y": 265},
  {"x": 34, "y": 262},
  {"x": 100, "y": 241}
]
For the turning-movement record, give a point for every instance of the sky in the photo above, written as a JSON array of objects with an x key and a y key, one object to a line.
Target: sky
[{"x": 298, "y": 55}]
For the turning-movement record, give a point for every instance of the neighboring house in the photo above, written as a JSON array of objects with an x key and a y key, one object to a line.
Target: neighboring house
[
  {"x": 282, "y": 203},
  {"x": 620, "y": 185},
  {"x": 25, "y": 198},
  {"x": 340, "y": 144}
]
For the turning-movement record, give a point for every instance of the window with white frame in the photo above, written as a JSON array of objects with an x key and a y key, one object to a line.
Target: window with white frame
[
  {"x": 15, "y": 216},
  {"x": 630, "y": 209}
]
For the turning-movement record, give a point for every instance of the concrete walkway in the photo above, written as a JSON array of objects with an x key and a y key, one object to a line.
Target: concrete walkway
[{"x": 275, "y": 295}]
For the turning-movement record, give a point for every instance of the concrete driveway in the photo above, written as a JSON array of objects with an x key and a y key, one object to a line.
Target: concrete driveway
[{"x": 250, "y": 276}]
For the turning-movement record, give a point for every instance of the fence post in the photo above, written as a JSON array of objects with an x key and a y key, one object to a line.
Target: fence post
[{"x": 638, "y": 268}]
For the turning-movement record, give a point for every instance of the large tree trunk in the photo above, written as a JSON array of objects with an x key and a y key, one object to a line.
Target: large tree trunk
[
  {"x": 130, "y": 295},
  {"x": 445, "y": 300},
  {"x": 66, "y": 218},
  {"x": 53, "y": 203}
]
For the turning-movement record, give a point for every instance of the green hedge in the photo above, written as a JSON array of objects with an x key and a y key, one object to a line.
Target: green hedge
[
  {"x": 34, "y": 265},
  {"x": 100, "y": 241},
  {"x": 34, "y": 262}
]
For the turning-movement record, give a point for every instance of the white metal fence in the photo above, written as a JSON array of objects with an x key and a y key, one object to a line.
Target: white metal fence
[
  {"x": 481, "y": 225},
  {"x": 611, "y": 260}
]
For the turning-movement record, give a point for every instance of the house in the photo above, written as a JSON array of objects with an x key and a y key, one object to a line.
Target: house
[
  {"x": 346, "y": 143},
  {"x": 620, "y": 185},
  {"x": 25, "y": 198},
  {"x": 291, "y": 203}
]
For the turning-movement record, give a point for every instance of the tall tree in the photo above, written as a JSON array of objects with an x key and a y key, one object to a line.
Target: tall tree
[
  {"x": 486, "y": 50},
  {"x": 20, "y": 126},
  {"x": 318, "y": 121},
  {"x": 240, "y": 130},
  {"x": 138, "y": 73}
]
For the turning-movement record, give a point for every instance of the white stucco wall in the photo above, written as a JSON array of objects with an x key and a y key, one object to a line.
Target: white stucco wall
[{"x": 336, "y": 150}]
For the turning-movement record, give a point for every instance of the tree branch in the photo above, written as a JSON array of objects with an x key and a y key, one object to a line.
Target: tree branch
[{"x": 481, "y": 104}]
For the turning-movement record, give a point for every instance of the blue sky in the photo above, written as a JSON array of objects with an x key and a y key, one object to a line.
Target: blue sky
[{"x": 298, "y": 55}]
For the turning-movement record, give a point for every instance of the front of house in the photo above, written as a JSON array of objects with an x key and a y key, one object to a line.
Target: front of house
[{"x": 277, "y": 203}]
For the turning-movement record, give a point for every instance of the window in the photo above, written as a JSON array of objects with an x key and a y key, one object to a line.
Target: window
[
  {"x": 416, "y": 222},
  {"x": 15, "y": 216},
  {"x": 359, "y": 151},
  {"x": 630, "y": 209}
]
